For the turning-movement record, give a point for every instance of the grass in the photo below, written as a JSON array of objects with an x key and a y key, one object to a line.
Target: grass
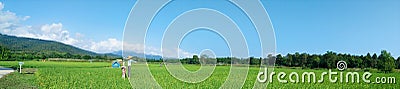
[
  {"x": 99, "y": 75},
  {"x": 17, "y": 81},
  {"x": 96, "y": 75}
]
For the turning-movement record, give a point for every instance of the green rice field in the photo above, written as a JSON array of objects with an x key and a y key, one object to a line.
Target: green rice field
[{"x": 100, "y": 75}]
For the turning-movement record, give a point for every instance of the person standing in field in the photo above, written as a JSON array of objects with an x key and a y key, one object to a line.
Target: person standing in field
[
  {"x": 129, "y": 68},
  {"x": 123, "y": 71}
]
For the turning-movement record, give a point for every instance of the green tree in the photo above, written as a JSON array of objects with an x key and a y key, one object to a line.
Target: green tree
[
  {"x": 303, "y": 60},
  {"x": 194, "y": 60},
  {"x": 289, "y": 61},
  {"x": 87, "y": 57},
  {"x": 96, "y": 57},
  {"x": 398, "y": 63},
  {"x": 358, "y": 62},
  {"x": 296, "y": 60},
  {"x": 67, "y": 55},
  {"x": 279, "y": 60},
  {"x": 374, "y": 62},
  {"x": 330, "y": 60},
  {"x": 316, "y": 61},
  {"x": 228, "y": 60},
  {"x": 77, "y": 56},
  {"x": 253, "y": 61},
  {"x": 4, "y": 52},
  {"x": 386, "y": 62},
  {"x": 367, "y": 61}
]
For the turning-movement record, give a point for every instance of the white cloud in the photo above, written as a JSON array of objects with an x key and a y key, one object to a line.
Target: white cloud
[
  {"x": 150, "y": 50},
  {"x": 10, "y": 25},
  {"x": 109, "y": 45},
  {"x": 53, "y": 32},
  {"x": 9, "y": 20}
]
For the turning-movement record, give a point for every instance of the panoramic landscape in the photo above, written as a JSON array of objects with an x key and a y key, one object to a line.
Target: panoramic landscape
[{"x": 70, "y": 44}]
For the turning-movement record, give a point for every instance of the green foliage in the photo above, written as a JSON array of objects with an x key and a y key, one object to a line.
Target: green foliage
[
  {"x": 367, "y": 61},
  {"x": 20, "y": 48},
  {"x": 37, "y": 45},
  {"x": 315, "y": 63},
  {"x": 99, "y": 75},
  {"x": 330, "y": 59},
  {"x": 398, "y": 63},
  {"x": 193, "y": 60},
  {"x": 16, "y": 80},
  {"x": 386, "y": 62},
  {"x": 66, "y": 75},
  {"x": 86, "y": 57},
  {"x": 289, "y": 61},
  {"x": 327, "y": 60},
  {"x": 71, "y": 75},
  {"x": 4, "y": 53},
  {"x": 254, "y": 61},
  {"x": 279, "y": 60}
]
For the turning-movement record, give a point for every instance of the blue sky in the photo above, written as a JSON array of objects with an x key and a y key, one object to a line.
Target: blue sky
[
  {"x": 350, "y": 26},
  {"x": 345, "y": 26},
  {"x": 99, "y": 20}
]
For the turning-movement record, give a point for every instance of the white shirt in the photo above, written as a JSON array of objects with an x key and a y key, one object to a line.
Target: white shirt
[{"x": 129, "y": 62}]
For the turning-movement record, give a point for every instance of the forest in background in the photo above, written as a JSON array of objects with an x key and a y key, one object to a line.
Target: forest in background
[
  {"x": 383, "y": 61},
  {"x": 19, "y": 48}
]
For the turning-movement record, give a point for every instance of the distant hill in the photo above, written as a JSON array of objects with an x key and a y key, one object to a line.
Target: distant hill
[{"x": 38, "y": 46}]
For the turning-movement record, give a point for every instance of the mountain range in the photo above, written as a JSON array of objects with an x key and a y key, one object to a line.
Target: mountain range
[{"x": 31, "y": 45}]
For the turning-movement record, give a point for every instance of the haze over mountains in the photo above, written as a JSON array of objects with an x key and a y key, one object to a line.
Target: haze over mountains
[
  {"x": 37, "y": 45},
  {"x": 23, "y": 44}
]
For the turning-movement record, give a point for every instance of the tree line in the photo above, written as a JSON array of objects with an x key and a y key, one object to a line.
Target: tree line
[
  {"x": 383, "y": 61},
  {"x": 13, "y": 55}
]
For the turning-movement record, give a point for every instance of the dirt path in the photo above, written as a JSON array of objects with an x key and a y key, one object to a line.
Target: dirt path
[{"x": 4, "y": 71}]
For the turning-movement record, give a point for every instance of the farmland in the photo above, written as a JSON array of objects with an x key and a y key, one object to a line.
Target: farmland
[
  {"x": 70, "y": 75},
  {"x": 100, "y": 75}
]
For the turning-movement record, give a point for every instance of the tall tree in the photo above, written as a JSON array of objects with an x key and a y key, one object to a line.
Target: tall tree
[
  {"x": 4, "y": 53},
  {"x": 279, "y": 60},
  {"x": 386, "y": 62},
  {"x": 398, "y": 63},
  {"x": 86, "y": 57},
  {"x": 303, "y": 60},
  {"x": 330, "y": 60},
  {"x": 358, "y": 61},
  {"x": 315, "y": 61},
  {"x": 252, "y": 61},
  {"x": 367, "y": 61},
  {"x": 296, "y": 59},
  {"x": 374, "y": 61},
  {"x": 194, "y": 60},
  {"x": 289, "y": 60}
]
